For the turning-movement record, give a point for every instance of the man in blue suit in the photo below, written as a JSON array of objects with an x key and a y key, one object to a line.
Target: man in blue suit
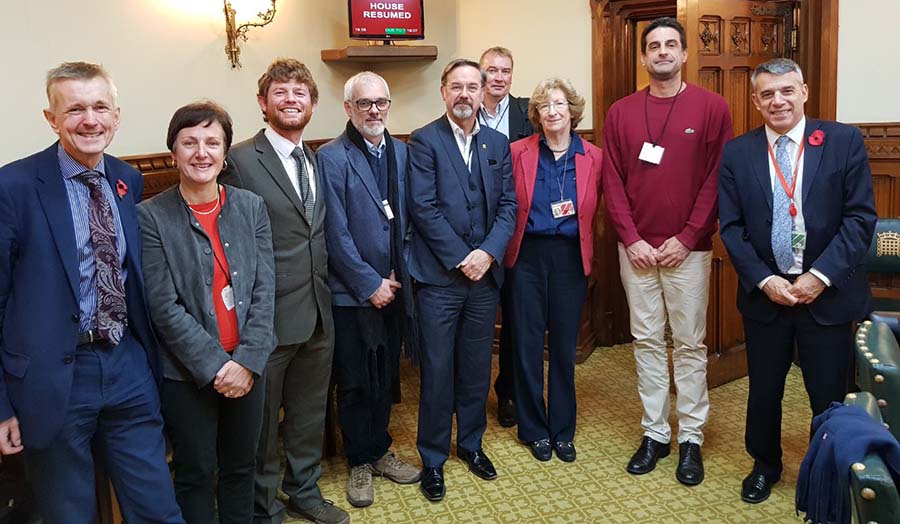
[
  {"x": 462, "y": 206},
  {"x": 364, "y": 174},
  {"x": 77, "y": 352},
  {"x": 797, "y": 213}
]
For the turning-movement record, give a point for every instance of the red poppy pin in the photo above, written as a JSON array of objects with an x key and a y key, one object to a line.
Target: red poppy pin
[
  {"x": 122, "y": 189},
  {"x": 816, "y": 138}
]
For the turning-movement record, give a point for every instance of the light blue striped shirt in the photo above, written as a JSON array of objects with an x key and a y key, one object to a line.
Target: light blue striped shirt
[{"x": 79, "y": 200}]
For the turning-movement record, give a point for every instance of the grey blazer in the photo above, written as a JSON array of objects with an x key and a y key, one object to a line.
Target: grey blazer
[
  {"x": 301, "y": 262},
  {"x": 178, "y": 272}
]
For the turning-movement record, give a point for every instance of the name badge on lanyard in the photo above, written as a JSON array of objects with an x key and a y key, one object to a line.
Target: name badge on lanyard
[
  {"x": 651, "y": 153},
  {"x": 562, "y": 208}
]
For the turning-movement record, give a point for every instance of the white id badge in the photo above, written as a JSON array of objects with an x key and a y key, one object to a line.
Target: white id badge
[
  {"x": 563, "y": 208},
  {"x": 387, "y": 209},
  {"x": 651, "y": 153},
  {"x": 228, "y": 297}
]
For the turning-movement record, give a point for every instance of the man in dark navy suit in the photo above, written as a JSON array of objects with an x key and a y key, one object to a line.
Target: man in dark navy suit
[
  {"x": 76, "y": 346},
  {"x": 462, "y": 206},
  {"x": 797, "y": 213}
]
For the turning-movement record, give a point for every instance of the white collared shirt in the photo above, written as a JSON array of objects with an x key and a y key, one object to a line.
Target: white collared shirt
[
  {"x": 374, "y": 150},
  {"x": 463, "y": 141},
  {"x": 795, "y": 137},
  {"x": 284, "y": 147},
  {"x": 500, "y": 121}
]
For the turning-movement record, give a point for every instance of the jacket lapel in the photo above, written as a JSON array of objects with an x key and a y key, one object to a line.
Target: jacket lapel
[
  {"x": 759, "y": 161},
  {"x": 452, "y": 150},
  {"x": 55, "y": 202},
  {"x": 482, "y": 155},
  {"x": 583, "y": 173},
  {"x": 363, "y": 170},
  {"x": 812, "y": 157},
  {"x": 529, "y": 161},
  {"x": 126, "y": 213},
  {"x": 272, "y": 164}
]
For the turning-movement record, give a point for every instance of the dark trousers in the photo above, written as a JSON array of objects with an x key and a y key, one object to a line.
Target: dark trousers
[
  {"x": 365, "y": 377},
  {"x": 296, "y": 378},
  {"x": 548, "y": 292},
  {"x": 213, "y": 437},
  {"x": 504, "y": 385},
  {"x": 457, "y": 330},
  {"x": 824, "y": 353},
  {"x": 114, "y": 407}
]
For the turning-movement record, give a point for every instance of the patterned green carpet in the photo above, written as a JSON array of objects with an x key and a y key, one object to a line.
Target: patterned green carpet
[{"x": 595, "y": 488}]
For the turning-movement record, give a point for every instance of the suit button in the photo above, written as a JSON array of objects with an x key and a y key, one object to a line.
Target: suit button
[
  {"x": 227, "y": 244},
  {"x": 240, "y": 302},
  {"x": 75, "y": 318},
  {"x": 68, "y": 360},
  {"x": 207, "y": 251},
  {"x": 386, "y": 228},
  {"x": 234, "y": 273},
  {"x": 473, "y": 187},
  {"x": 212, "y": 312},
  {"x": 208, "y": 281}
]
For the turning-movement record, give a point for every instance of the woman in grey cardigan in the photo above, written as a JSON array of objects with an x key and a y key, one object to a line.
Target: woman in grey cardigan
[{"x": 210, "y": 280}]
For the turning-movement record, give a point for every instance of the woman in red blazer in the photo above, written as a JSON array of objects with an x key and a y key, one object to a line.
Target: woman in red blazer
[{"x": 557, "y": 179}]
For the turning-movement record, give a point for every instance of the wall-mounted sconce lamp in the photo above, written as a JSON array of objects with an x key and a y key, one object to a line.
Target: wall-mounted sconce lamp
[{"x": 234, "y": 31}]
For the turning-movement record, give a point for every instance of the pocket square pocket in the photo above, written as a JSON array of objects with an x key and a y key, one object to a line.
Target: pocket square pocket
[{"x": 492, "y": 162}]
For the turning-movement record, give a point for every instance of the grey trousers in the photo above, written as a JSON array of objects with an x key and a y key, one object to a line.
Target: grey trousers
[{"x": 297, "y": 378}]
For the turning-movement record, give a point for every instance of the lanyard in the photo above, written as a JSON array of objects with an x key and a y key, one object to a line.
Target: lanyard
[
  {"x": 784, "y": 184},
  {"x": 485, "y": 115},
  {"x": 666, "y": 123}
]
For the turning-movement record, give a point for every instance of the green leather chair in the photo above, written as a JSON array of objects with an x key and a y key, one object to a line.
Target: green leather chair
[
  {"x": 873, "y": 495},
  {"x": 884, "y": 257},
  {"x": 877, "y": 357}
]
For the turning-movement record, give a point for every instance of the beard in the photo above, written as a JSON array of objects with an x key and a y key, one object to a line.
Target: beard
[
  {"x": 279, "y": 121},
  {"x": 462, "y": 111},
  {"x": 371, "y": 129}
]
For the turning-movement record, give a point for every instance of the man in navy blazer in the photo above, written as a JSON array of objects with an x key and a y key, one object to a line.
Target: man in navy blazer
[
  {"x": 66, "y": 388},
  {"x": 364, "y": 174},
  {"x": 462, "y": 207},
  {"x": 797, "y": 214}
]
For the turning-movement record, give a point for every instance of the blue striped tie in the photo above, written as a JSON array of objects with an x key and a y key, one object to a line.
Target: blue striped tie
[{"x": 782, "y": 221}]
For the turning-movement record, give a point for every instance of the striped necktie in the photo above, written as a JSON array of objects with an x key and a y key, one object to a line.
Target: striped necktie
[{"x": 309, "y": 203}]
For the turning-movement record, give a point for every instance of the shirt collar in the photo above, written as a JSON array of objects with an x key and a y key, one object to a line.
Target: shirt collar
[
  {"x": 282, "y": 146},
  {"x": 576, "y": 147},
  {"x": 795, "y": 134},
  {"x": 375, "y": 150},
  {"x": 500, "y": 107},
  {"x": 71, "y": 167},
  {"x": 458, "y": 131}
]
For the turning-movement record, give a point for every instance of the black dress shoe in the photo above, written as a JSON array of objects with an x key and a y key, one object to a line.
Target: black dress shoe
[
  {"x": 565, "y": 451},
  {"x": 432, "y": 484},
  {"x": 756, "y": 487},
  {"x": 506, "y": 412},
  {"x": 690, "y": 464},
  {"x": 479, "y": 464},
  {"x": 541, "y": 449},
  {"x": 644, "y": 459}
]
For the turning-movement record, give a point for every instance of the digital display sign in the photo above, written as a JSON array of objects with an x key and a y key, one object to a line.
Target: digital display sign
[{"x": 393, "y": 20}]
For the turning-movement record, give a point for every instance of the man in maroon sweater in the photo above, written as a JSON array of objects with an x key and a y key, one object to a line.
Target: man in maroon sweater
[{"x": 662, "y": 147}]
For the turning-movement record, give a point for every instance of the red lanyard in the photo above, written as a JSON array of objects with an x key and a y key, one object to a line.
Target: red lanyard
[{"x": 788, "y": 190}]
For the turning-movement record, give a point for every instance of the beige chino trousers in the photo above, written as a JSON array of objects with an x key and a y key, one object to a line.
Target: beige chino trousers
[{"x": 683, "y": 292}]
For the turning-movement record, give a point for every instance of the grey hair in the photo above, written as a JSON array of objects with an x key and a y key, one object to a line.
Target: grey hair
[
  {"x": 359, "y": 78},
  {"x": 777, "y": 67},
  {"x": 79, "y": 71}
]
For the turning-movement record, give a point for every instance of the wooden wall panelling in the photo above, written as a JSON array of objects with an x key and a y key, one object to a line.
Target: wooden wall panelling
[{"x": 883, "y": 148}]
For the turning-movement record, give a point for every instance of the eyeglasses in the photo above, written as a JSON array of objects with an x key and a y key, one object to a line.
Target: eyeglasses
[
  {"x": 459, "y": 88},
  {"x": 558, "y": 106},
  {"x": 364, "y": 104}
]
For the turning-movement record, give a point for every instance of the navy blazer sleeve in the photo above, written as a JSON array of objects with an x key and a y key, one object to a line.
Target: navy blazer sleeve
[
  {"x": 501, "y": 229},
  {"x": 8, "y": 249},
  {"x": 343, "y": 256},
  {"x": 751, "y": 269},
  {"x": 848, "y": 247}
]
